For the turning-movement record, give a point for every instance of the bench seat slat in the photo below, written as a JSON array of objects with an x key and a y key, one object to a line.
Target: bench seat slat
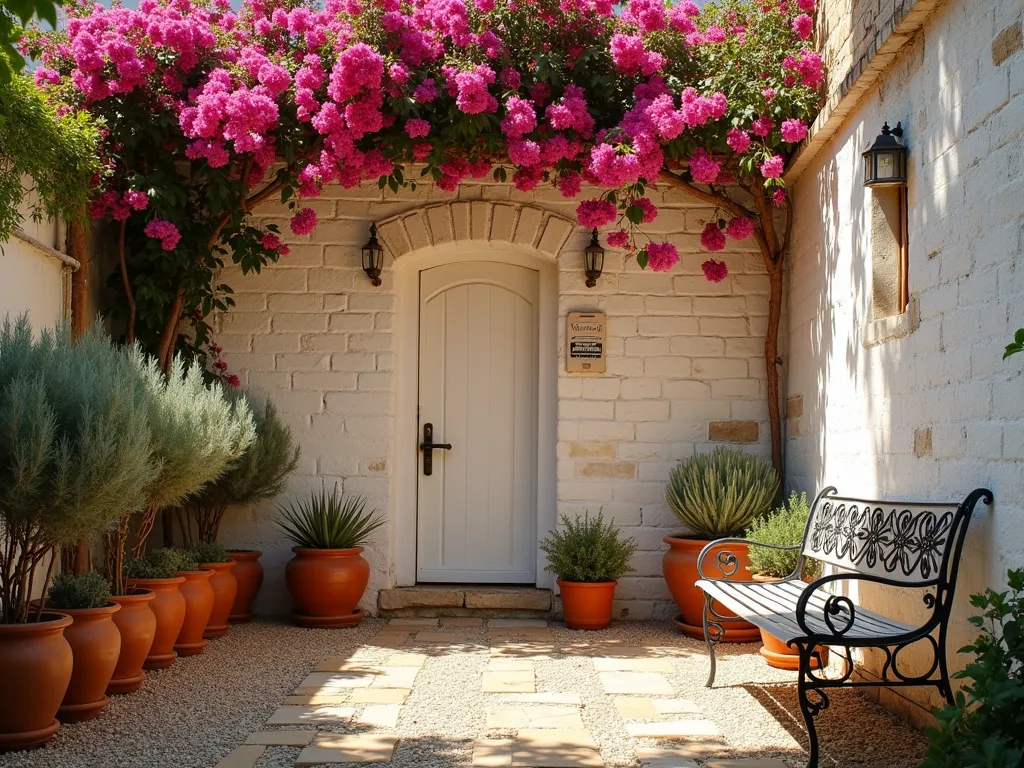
[{"x": 772, "y": 607}]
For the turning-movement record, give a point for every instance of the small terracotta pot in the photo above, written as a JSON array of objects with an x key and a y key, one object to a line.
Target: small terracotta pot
[
  {"x": 326, "y": 585},
  {"x": 95, "y": 645},
  {"x": 776, "y": 652},
  {"x": 248, "y": 573},
  {"x": 35, "y": 669},
  {"x": 199, "y": 599},
  {"x": 224, "y": 589},
  {"x": 587, "y": 605},
  {"x": 136, "y": 624},
  {"x": 680, "y": 568},
  {"x": 168, "y": 607}
]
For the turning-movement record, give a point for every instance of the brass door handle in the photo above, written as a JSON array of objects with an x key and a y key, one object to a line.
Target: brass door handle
[{"x": 428, "y": 446}]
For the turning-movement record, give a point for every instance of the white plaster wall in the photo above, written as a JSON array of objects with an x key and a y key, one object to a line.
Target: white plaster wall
[
  {"x": 317, "y": 337},
  {"x": 964, "y": 121},
  {"x": 31, "y": 279}
]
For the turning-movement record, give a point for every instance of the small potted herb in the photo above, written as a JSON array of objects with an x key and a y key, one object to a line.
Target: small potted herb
[
  {"x": 588, "y": 556},
  {"x": 94, "y": 639},
  {"x": 328, "y": 575},
  {"x": 783, "y": 528},
  {"x": 156, "y": 571},
  {"x": 214, "y": 557}
]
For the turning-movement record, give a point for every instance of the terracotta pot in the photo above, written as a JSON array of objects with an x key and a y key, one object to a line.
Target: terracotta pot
[
  {"x": 224, "y": 590},
  {"x": 199, "y": 599},
  {"x": 776, "y": 652},
  {"x": 35, "y": 669},
  {"x": 168, "y": 607},
  {"x": 248, "y": 573},
  {"x": 136, "y": 623},
  {"x": 587, "y": 605},
  {"x": 326, "y": 585},
  {"x": 95, "y": 645},
  {"x": 680, "y": 568}
]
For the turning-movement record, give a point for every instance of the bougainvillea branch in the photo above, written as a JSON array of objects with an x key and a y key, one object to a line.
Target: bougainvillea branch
[{"x": 202, "y": 102}]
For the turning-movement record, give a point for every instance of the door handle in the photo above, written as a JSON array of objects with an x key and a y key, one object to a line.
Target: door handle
[{"x": 428, "y": 446}]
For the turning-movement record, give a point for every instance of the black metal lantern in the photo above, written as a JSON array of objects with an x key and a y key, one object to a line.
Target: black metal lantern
[
  {"x": 373, "y": 256},
  {"x": 885, "y": 163},
  {"x": 593, "y": 260}
]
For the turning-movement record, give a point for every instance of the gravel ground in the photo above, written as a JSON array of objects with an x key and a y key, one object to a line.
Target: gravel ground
[{"x": 194, "y": 713}]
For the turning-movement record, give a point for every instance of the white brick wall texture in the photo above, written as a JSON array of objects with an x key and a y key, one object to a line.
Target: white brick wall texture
[
  {"x": 936, "y": 413},
  {"x": 313, "y": 334}
]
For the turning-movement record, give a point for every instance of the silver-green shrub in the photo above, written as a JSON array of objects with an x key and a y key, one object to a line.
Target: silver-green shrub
[
  {"x": 79, "y": 590},
  {"x": 784, "y": 527},
  {"x": 589, "y": 550},
  {"x": 329, "y": 521},
  {"x": 718, "y": 494},
  {"x": 210, "y": 552}
]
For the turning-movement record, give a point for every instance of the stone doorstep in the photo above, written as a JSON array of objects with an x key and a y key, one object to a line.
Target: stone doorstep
[{"x": 465, "y": 601}]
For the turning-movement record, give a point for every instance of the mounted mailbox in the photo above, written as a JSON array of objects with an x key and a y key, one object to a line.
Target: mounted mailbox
[{"x": 586, "y": 342}]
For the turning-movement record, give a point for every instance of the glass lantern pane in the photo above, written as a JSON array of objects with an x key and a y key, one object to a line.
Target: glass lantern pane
[{"x": 886, "y": 165}]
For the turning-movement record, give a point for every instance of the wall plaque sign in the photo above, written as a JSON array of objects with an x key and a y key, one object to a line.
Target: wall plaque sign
[{"x": 586, "y": 342}]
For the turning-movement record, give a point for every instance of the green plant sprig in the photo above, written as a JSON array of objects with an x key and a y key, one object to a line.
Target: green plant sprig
[
  {"x": 329, "y": 521},
  {"x": 79, "y": 590},
  {"x": 588, "y": 550},
  {"x": 783, "y": 528}
]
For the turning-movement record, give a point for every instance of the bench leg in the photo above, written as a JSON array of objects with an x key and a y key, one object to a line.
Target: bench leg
[
  {"x": 812, "y": 701},
  {"x": 712, "y": 636}
]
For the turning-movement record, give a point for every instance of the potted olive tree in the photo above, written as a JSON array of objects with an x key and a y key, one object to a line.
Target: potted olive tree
[
  {"x": 783, "y": 532},
  {"x": 589, "y": 557},
  {"x": 328, "y": 575},
  {"x": 259, "y": 474},
  {"x": 714, "y": 495},
  {"x": 74, "y": 455}
]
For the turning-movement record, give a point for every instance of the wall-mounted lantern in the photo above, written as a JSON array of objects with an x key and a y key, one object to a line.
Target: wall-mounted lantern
[
  {"x": 593, "y": 260},
  {"x": 885, "y": 163},
  {"x": 373, "y": 257}
]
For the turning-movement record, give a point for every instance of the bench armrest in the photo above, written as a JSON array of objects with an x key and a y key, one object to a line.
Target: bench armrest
[
  {"x": 728, "y": 563},
  {"x": 840, "y": 612}
]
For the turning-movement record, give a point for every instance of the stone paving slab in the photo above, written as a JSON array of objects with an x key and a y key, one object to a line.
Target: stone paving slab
[
  {"x": 663, "y": 758},
  {"x": 512, "y": 681},
  {"x": 281, "y": 738},
  {"x": 407, "y": 660},
  {"x": 344, "y": 664},
  {"x": 311, "y": 715},
  {"x": 492, "y": 753},
  {"x": 316, "y": 681},
  {"x": 348, "y": 748},
  {"x": 568, "y": 699},
  {"x": 534, "y": 717},
  {"x": 760, "y": 762},
  {"x": 317, "y": 700},
  {"x": 379, "y": 695},
  {"x": 462, "y": 621},
  {"x": 380, "y": 715},
  {"x": 555, "y": 749},
  {"x": 515, "y": 623},
  {"x": 501, "y": 663},
  {"x": 390, "y": 639},
  {"x": 403, "y": 623},
  {"x": 242, "y": 757},
  {"x": 455, "y": 638},
  {"x": 395, "y": 677},
  {"x": 636, "y": 683},
  {"x": 633, "y": 708},
  {"x": 621, "y": 664},
  {"x": 674, "y": 729}
]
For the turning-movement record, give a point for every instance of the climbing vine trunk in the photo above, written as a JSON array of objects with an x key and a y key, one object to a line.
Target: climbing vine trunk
[
  {"x": 78, "y": 557},
  {"x": 772, "y": 360}
]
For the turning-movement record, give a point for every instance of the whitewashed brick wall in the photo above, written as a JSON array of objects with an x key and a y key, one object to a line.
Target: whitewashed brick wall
[
  {"x": 935, "y": 413},
  {"x": 313, "y": 334}
]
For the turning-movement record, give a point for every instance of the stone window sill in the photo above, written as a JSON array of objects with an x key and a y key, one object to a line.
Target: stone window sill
[{"x": 891, "y": 328}]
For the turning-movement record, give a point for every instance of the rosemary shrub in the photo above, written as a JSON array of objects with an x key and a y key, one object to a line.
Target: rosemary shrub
[{"x": 587, "y": 549}]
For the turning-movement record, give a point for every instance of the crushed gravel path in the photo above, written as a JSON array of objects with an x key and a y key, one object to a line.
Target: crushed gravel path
[{"x": 196, "y": 712}]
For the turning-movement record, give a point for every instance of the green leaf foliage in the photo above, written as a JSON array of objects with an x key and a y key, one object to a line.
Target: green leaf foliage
[
  {"x": 985, "y": 727},
  {"x": 160, "y": 564},
  {"x": 329, "y": 521},
  {"x": 79, "y": 590},
  {"x": 719, "y": 494},
  {"x": 48, "y": 159},
  {"x": 1015, "y": 346},
  {"x": 210, "y": 552},
  {"x": 14, "y": 15},
  {"x": 784, "y": 527},
  {"x": 587, "y": 549}
]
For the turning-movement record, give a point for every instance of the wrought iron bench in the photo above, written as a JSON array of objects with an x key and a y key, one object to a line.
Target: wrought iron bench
[{"x": 899, "y": 544}]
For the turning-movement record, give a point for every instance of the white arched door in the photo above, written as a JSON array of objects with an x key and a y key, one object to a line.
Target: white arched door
[{"x": 478, "y": 360}]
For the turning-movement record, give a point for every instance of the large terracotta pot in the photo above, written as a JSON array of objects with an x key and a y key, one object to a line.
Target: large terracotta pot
[
  {"x": 780, "y": 655},
  {"x": 136, "y": 624},
  {"x": 326, "y": 585},
  {"x": 168, "y": 607},
  {"x": 224, "y": 589},
  {"x": 35, "y": 669},
  {"x": 680, "y": 568},
  {"x": 199, "y": 599},
  {"x": 95, "y": 645},
  {"x": 587, "y": 605},
  {"x": 248, "y": 573}
]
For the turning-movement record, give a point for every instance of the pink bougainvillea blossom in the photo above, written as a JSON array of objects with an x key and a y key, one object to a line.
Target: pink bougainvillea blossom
[
  {"x": 417, "y": 128},
  {"x": 803, "y": 26},
  {"x": 779, "y": 198},
  {"x": 303, "y": 222},
  {"x": 772, "y": 167},
  {"x": 715, "y": 271},
  {"x": 135, "y": 199},
  {"x": 703, "y": 168},
  {"x": 794, "y": 131},
  {"x": 738, "y": 141},
  {"x": 806, "y": 5},
  {"x": 712, "y": 238},
  {"x": 165, "y": 232},
  {"x": 740, "y": 228},
  {"x": 594, "y": 214},
  {"x": 648, "y": 208},
  {"x": 618, "y": 239},
  {"x": 661, "y": 257}
]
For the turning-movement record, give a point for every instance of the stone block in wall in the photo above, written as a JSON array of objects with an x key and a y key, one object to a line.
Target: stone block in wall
[
  {"x": 618, "y": 470},
  {"x": 1008, "y": 42},
  {"x": 733, "y": 431}
]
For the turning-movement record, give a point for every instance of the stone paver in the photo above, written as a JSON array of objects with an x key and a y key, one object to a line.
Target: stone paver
[
  {"x": 511, "y": 681},
  {"x": 242, "y": 757},
  {"x": 379, "y": 695},
  {"x": 390, "y": 639},
  {"x": 310, "y": 715},
  {"x": 633, "y": 708},
  {"x": 534, "y": 717},
  {"x": 317, "y": 700},
  {"x": 555, "y": 749},
  {"x": 380, "y": 715},
  {"x": 459, "y": 621},
  {"x": 407, "y": 660},
  {"x": 760, "y": 762},
  {"x": 492, "y": 753},
  {"x": 515, "y": 623},
  {"x": 348, "y": 748},
  {"x": 636, "y": 683},
  {"x": 403, "y": 623},
  {"x": 316, "y": 682},
  {"x": 612, "y": 664},
  {"x": 442, "y": 637},
  {"x": 395, "y": 677},
  {"x": 344, "y": 665},
  {"x": 674, "y": 729},
  {"x": 509, "y": 665},
  {"x": 281, "y": 738},
  {"x": 656, "y": 757},
  {"x": 568, "y": 699}
]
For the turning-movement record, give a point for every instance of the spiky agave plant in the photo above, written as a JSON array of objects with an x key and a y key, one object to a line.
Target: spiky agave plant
[
  {"x": 329, "y": 521},
  {"x": 719, "y": 494}
]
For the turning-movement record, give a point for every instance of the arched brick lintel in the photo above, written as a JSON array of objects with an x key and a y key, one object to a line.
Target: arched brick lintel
[{"x": 481, "y": 220}]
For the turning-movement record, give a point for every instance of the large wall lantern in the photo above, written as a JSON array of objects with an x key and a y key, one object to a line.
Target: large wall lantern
[
  {"x": 593, "y": 260},
  {"x": 373, "y": 257},
  {"x": 885, "y": 163}
]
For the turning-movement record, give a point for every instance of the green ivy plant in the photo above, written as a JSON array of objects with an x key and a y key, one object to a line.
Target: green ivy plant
[
  {"x": 329, "y": 521},
  {"x": 588, "y": 550},
  {"x": 784, "y": 528},
  {"x": 79, "y": 590},
  {"x": 1017, "y": 345},
  {"x": 984, "y": 728}
]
